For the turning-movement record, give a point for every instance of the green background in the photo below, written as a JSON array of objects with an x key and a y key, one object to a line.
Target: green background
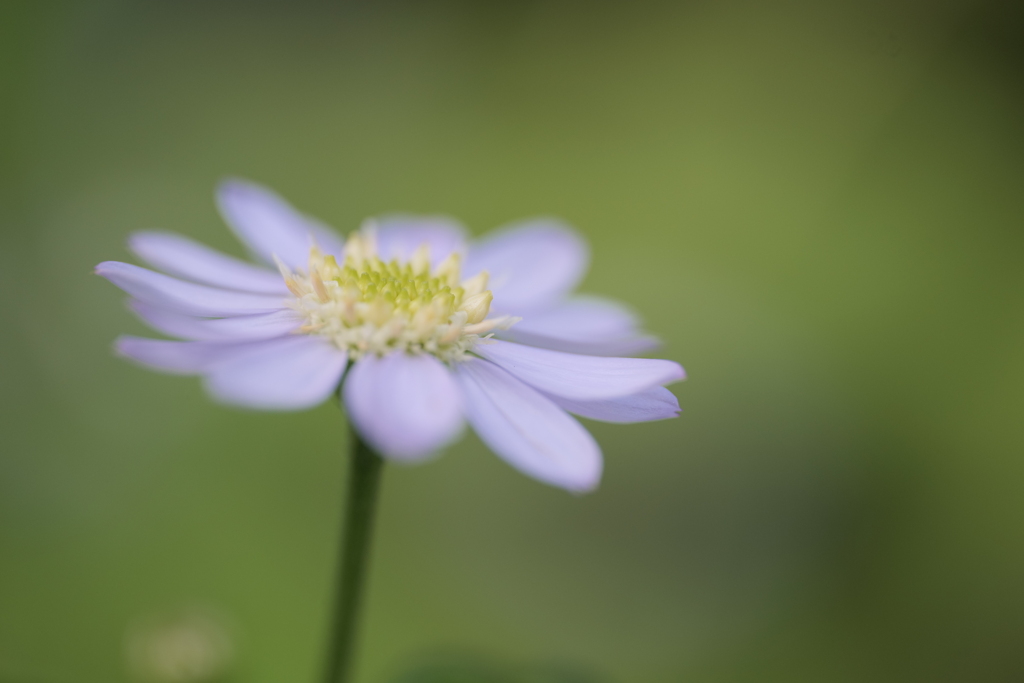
[{"x": 818, "y": 206}]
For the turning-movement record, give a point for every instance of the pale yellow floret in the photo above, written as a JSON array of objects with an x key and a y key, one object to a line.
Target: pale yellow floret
[
  {"x": 367, "y": 305},
  {"x": 477, "y": 306},
  {"x": 449, "y": 269},
  {"x": 420, "y": 261},
  {"x": 476, "y": 284}
]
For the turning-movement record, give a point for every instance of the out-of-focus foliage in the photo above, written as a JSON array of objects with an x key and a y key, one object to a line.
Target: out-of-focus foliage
[{"x": 819, "y": 206}]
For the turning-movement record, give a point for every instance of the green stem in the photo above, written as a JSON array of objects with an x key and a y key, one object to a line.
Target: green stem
[{"x": 363, "y": 484}]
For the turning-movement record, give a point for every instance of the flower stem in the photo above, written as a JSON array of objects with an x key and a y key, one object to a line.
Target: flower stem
[{"x": 363, "y": 484}]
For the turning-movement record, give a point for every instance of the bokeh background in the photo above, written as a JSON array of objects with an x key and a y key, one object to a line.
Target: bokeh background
[{"x": 818, "y": 206}]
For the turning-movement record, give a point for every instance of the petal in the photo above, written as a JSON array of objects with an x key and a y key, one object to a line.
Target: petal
[
  {"x": 532, "y": 264},
  {"x": 241, "y": 328},
  {"x": 527, "y": 429},
  {"x": 584, "y": 316},
  {"x": 191, "y": 260},
  {"x": 180, "y": 358},
  {"x": 405, "y": 406},
  {"x": 163, "y": 291},
  {"x": 621, "y": 347},
  {"x": 578, "y": 377},
  {"x": 656, "y": 403},
  {"x": 270, "y": 226},
  {"x": 583, "y": 324},
  {"x": 399, "y": 236},
  {"x": 289, "y": 373}
]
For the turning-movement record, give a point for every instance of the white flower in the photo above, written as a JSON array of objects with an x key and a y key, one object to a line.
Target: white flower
[
  {"x": 191, "y": 646},
  {"x": 507, "y": 349}
]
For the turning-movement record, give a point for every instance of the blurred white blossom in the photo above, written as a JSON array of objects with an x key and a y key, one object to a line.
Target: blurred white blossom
[{"x": 188, "y": 646}]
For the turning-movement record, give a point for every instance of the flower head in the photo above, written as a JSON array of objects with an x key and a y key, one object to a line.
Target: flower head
[
  {"x": 189, "y": 646},
  {"x": 427, "y": 330},
  {"x": 366, "y": 305}
]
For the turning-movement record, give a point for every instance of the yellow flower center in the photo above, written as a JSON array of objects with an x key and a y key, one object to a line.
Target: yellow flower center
[{"x": 367, "y": 305}]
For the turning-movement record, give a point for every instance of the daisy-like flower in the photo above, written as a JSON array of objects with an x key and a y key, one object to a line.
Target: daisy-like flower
[{"x": 421, "y": 348}]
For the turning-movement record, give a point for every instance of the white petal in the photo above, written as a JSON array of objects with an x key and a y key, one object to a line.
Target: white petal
[
  {"x": 241, "y": 328},
  {"x": 527, "y": 429},
  {"x": 180, "y": 358},
  {"x": 532, "y": 264},
  {"x": 399, "y": 236},
  {"x": 406, "y": 407},
  {"x": 271, "y": 226},
  {"x": 191, "y": 260},
  {"x": 164, "y": 291},
  {"x": 657, "y": 403},
  {"x": 289, "y": 373},
  {"x": 583, "y": 324},
  {"x": 573, "y": 376}
]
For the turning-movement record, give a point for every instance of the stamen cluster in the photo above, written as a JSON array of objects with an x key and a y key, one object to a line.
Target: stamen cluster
[{"x": 367, "y": 305}]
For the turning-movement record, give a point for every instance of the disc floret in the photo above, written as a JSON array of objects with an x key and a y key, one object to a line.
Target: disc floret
[{"x": 367, "y": 305}]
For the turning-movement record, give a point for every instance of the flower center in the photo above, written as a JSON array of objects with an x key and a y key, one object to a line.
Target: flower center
[{"x": 367, "y": 305}]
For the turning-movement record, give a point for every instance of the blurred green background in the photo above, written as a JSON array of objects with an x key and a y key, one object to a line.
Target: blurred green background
[{"x": 819, "y": 207}]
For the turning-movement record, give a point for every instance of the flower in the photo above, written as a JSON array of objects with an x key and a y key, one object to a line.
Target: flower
[
  {"x": 191, "y": 645},
  {"x": 507, "y": 349}
]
